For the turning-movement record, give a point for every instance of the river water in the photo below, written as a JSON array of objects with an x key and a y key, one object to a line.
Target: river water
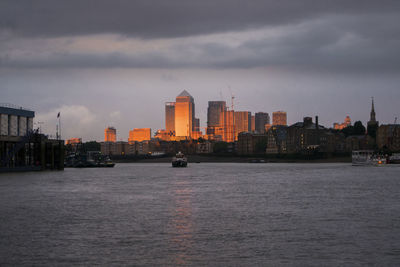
[{"x": 219, "y": 214}]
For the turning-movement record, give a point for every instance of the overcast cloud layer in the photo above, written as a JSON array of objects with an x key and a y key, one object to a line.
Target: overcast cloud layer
[{"x": 339, "y": 43}]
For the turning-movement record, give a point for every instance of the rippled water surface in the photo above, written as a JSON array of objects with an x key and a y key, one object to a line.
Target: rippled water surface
[{"x": 207, "y": 214}]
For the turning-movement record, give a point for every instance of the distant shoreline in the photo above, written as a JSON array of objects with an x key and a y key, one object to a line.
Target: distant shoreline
[{"x": 217, "y": 159}]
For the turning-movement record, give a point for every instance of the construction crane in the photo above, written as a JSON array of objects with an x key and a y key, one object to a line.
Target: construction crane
[{"x": 232, "y": 98}]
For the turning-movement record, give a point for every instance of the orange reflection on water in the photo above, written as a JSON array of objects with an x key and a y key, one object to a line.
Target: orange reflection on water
[{"x": 181, "y": 224}]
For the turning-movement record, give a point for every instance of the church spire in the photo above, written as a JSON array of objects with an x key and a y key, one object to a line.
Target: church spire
[{"x": 372, "y": 114}]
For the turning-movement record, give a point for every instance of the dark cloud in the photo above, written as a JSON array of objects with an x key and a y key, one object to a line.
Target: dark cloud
[
  {"x": 172, "y": 18},
  {"x": 337, "y": 43},
  {"x": 338, "y": 36}
]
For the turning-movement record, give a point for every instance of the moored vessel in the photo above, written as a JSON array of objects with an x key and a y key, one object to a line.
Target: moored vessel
[
  {"x": 394, "y": 159},
  {"x": 367, "y": 158},
  {"x": 179, "y": 160}
]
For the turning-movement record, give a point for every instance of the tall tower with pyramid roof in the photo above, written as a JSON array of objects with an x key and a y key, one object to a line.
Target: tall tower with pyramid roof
[{"x": 184, "y": 115}]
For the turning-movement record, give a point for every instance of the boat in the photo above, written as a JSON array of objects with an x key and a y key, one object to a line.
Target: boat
[
  {"x": 367, "y": 158},
  {"x": 179, "y": 160},
  {"x": 394, "y": 158},
  {"x": 91, "y": 159}
]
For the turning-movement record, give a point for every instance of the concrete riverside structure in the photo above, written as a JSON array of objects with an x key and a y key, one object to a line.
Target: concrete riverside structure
[{"x": 25, "y": 149}]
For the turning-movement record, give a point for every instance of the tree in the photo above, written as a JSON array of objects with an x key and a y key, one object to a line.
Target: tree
[
  {"x": 359, "y": 128},
  {"x": 349, "y": 130}
]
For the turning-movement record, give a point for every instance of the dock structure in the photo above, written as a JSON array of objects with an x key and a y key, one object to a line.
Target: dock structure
[{"x": 24, "y": 149}]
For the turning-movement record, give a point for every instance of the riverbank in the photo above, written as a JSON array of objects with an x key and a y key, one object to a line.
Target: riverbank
[{"x": 236, "y": 159}]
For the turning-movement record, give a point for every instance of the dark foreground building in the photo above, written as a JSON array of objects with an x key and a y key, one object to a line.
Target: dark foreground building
[{"x": 25, "y": 149}]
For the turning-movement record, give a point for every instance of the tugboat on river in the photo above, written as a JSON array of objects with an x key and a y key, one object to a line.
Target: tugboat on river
[{"x": 179, "y": 160}]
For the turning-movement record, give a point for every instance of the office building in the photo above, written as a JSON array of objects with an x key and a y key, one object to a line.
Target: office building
[
  {"x": 215, "y": 119},
  {"x": 110, "y": 134},
  {"x": 279, "y": 118},
  {"x": 139, "y": 135},
  {"x": 170, "y": 117},
  {"x": 261, "y": 119},
  {"x": 242, "y": 122},
  {"x": 228, "y": 129},
  {"x": 214, "y": 112},
  {"x": 184, "y": 115}
]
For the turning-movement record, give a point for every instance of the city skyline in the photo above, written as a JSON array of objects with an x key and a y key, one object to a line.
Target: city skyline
[
  {"x": 114, "y": 65},
  {"x": 122, "y": 136}
]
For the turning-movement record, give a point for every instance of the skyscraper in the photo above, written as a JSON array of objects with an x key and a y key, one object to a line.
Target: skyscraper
[
  {"x": 279, "y": 118},
  {"x": 110, "y": 134},
  {"x": 261, "y": 118},
  {"x": 215, "y": 120},
  {"x": 170, "y": 117},
  {"x": 242, "y": 122},
  {"x": 214, "y": 112},
  {"x": 184, "y": 115},
  {"x": 196, "y": 125},
  {"x": 228, "y": 126}
]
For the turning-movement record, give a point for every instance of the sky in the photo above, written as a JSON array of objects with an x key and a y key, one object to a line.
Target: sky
[{"x": 115, "y": 63}]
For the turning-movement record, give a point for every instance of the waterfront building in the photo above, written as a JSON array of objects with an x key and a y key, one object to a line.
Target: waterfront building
[
  {"x": 114, "y": 148},
  {"x": 15, "y": 121},
  {"x": 170, "y": 117},
  {"x": 110, "y": 134},
  {"x": 388, "y": 137},
  {"x": 276, "y": 139},
  {"x": 139, "y": 135},
  {"x": 184, "y": 115},
  {"x": 251, "y": 143},
  {"x": 279, "y": 118},
  {"x": 341, "y": 126},
  {"x": 308, "y": 137},
  {"x": 242, "y": 122},
  {"x": 260, "y": 120},
  {"x": 21, "y": 147}
]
